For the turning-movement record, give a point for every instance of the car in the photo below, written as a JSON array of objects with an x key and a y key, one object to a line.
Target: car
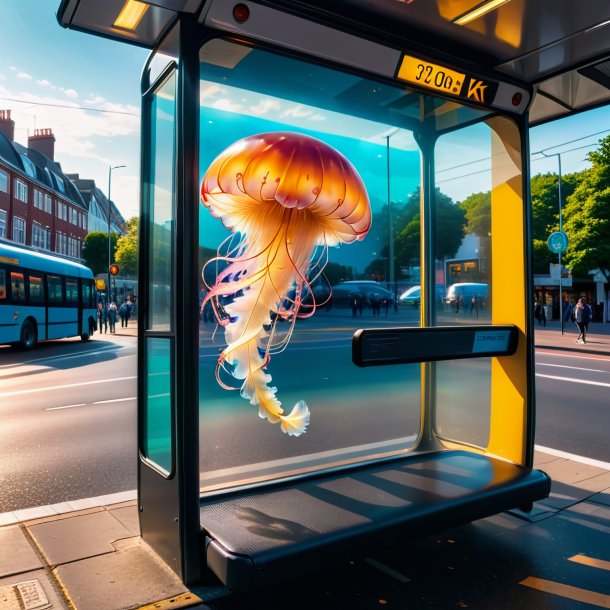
[
  {"x": 412, "y": 296},
  {"x": 464, "y": 292},
  {"x": 367, "y": 290}
]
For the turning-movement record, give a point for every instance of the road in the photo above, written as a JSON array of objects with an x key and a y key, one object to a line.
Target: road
[{"x": 68, "y": 413}]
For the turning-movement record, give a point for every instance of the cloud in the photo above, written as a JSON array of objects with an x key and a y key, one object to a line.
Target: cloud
[
  {"x": 209, "y": 91},
  {"x": 24, "y": 76},
  {"x": 264, "y": 106},
  {"x": 45, "y": 83},
  {"x": 226, "y": 104},
  {"x": 70, "y": 93},
  {"x": 298, "y": 112}
]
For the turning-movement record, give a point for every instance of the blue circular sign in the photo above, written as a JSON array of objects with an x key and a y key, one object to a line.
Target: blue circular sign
[{"x": 557, "y": 242}]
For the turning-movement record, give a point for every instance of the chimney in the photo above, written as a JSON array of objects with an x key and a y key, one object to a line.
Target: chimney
[
  {"x": 7, "y": 125},
  {"x": 43, "y": 141}
]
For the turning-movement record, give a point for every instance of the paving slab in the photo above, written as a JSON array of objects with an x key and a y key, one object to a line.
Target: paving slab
[
  {"x": 128, "y": 578},
  {"x": 128, "y": 516},
  {"x": 17, "y": 554},
  {"x": 71, "y": 539},
  {"x": 30, "y": 590}
]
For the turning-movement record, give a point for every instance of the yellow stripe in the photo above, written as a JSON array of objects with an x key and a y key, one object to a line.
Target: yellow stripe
[
  {"x": 567, "y": 591},
  {"x": 184, "y": 600},
  {"x": 590, "y": 561}
]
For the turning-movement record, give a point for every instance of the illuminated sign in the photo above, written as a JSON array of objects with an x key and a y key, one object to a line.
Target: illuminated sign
[
  {"x": 445, "y": 80},
  {"x": 100, "y": 284},
  {"x": 114, "y": 269}
]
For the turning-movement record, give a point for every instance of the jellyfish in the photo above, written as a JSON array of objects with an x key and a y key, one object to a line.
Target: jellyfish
[{"x": 286, "y": 198}]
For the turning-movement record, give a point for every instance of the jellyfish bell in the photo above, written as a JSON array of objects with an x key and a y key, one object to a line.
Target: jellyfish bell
[{"x": 286, "y": 198}]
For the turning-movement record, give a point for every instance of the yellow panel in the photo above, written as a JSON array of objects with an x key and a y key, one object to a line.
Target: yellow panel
[{"x": 508, "y": 375}]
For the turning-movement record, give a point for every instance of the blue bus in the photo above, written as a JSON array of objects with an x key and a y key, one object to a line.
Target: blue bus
[{"x": 43, "y": 297}]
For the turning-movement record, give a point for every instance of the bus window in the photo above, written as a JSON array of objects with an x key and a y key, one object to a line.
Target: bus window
[
  {"x": 36, "y": 291},
  {"x": 2, "y": 284},
  {"x": 86, "y": 292},
  {"x": 56, "y": 291},
  {"x": 17, "y": 286},
  {"x": 71, "y": 292}
]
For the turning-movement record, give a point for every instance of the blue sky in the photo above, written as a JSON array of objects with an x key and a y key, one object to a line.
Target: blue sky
[{"x": 46, "y": 67}]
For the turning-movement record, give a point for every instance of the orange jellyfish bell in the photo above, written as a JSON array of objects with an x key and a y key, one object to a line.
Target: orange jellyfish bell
[{"x": 285, "y": 197}]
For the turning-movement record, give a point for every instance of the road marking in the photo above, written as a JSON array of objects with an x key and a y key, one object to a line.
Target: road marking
[
  {"x": 568, "y": 591},
  {"x": 575, "y": 458},
  {"x": 61, "y": 387},
  {"x": 103, "y": 402},
  {"x": 585, "y": 381},
  {"x": 564, "y": 355},
  {"x": 591, "y": 561},
  {"x": 574, "y": 368},
  {"x": 80, "y": 404}
]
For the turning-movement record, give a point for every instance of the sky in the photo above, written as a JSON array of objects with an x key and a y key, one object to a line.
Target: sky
[{"x": 86, "y": 89}]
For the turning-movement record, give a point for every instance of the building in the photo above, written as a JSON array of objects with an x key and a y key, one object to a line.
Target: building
[
  {"x": 40, "y": 206},
  {"x": 97, "y": 204}
]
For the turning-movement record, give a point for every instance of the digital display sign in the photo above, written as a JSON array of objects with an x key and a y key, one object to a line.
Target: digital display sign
[{"x": 445, "y": 80}]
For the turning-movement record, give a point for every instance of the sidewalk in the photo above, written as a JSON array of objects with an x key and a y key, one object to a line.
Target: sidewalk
[
  {"x": 94, "y": 559},
  {"x": 550, "y": 337}
]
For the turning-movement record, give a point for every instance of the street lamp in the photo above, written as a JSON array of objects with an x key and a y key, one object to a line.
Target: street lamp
[
  {"x": 391, "y": 270},
  {"x": 109, "y": 239},
  {"x": 558, "y": 155}
]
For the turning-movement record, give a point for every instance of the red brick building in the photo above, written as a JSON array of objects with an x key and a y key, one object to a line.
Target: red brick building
[{"x": 39, "y": 205}]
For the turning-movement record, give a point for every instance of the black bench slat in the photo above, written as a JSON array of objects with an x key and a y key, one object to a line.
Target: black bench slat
[{"x": 257, "y": 537}]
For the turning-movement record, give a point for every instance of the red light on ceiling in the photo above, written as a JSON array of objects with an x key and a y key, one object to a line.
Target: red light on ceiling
[
  {"x": 517, "y": 98},
  {"x": 241, "y": 13}
]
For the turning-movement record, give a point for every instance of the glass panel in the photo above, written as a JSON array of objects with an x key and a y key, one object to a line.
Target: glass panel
[
  {"x": 292, "y": 264},
  {"x": 2, "y": 284},
  {"x": 469, "y": 166},
  {"x": 36, "y": 291},
  {"x": 162, "y": 206},
  {"x": 55, "y": 288},
  {"x": 17, "y": 287},
  {"x": 86, "y": 287},
  {"x": 71, "y": 292},
  {"x": 158, "y": 409}
]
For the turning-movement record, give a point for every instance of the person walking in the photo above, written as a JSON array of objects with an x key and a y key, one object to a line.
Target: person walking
[
  {"x": 112, "y": 311},
  {"x": 123, "y": 309},
  {"x": 582, "y": 317},
  {"x": 102, "y": 318}
]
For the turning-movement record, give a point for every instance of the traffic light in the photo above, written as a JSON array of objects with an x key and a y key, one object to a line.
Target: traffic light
[{"x": 114, "y": 269}]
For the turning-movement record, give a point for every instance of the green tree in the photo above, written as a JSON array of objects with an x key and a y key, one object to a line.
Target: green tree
[
  {"x": 545, "y": 201},
  {"x": 587, "y": 216},
  {"x": 95, "y": 251},
  {"x": 450, "y": 221},
  {"x": 126, "y": 254},
  {"x": 477, "y": 209}
]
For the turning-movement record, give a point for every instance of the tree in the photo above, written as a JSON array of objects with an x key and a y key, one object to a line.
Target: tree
[
  {"x": 126, "y": 254},
  {"x": 587, "y": 216},
  {"x": 95, "y": 251},
  {"x": 477, "y": 210},
  {"x": 545, "y": 201},
  {"x": 450, "y": 220}
]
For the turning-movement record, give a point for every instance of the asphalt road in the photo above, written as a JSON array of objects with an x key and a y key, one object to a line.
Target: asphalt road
[{"x": 68, "y": 411}]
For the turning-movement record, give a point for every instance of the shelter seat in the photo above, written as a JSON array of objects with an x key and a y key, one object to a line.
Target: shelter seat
[{"x": 257, "y": 537}]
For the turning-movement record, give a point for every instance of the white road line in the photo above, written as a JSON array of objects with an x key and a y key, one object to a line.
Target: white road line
[
  {"x": 564, "y": 355},
  {"x": 570, "y": 456},
  {"x": 104, "y": 402},
  {"x": 584, "y": 381},
  {"x": 574, "y": 368},
  {"x": 61, "y": 387},
  {"x": 80, "y": 404}
]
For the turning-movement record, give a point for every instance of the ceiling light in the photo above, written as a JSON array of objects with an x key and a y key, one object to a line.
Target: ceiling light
[
  {"x": 478, "y": 11},
  {"x": 130, "y": 15}
]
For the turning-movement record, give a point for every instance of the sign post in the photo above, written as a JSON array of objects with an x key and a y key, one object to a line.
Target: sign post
[{"x": 558, "y": 242}]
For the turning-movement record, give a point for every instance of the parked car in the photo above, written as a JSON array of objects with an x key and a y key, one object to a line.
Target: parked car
[
  {"x": 412, "y": 296},
  {"x": 368, "y": 290},
  {"x": 465, "y": 291}
]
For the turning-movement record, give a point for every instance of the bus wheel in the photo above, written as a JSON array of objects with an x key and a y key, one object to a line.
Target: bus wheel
[
  {"x": 29, "y": 336},
  {"x": 87, "y": 336}
]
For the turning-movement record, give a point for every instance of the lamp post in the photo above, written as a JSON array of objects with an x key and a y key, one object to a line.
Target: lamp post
[
  {"x": 391, "y": 269},
  {"x": 109, "y": 238},
  {"x": 558, "y": 155}
]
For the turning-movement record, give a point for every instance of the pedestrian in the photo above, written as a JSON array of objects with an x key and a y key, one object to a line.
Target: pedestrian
[
  {"x": 112, "y": 311},
  {"x": 582, "y": 317},
  {"x": 123, "y": 310},
  {"x": 353, "y": 301},
  {"x": 475, "y": 306},
  {"x": 102, "y": 318},
  {"x": 543, "y": 315}
]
